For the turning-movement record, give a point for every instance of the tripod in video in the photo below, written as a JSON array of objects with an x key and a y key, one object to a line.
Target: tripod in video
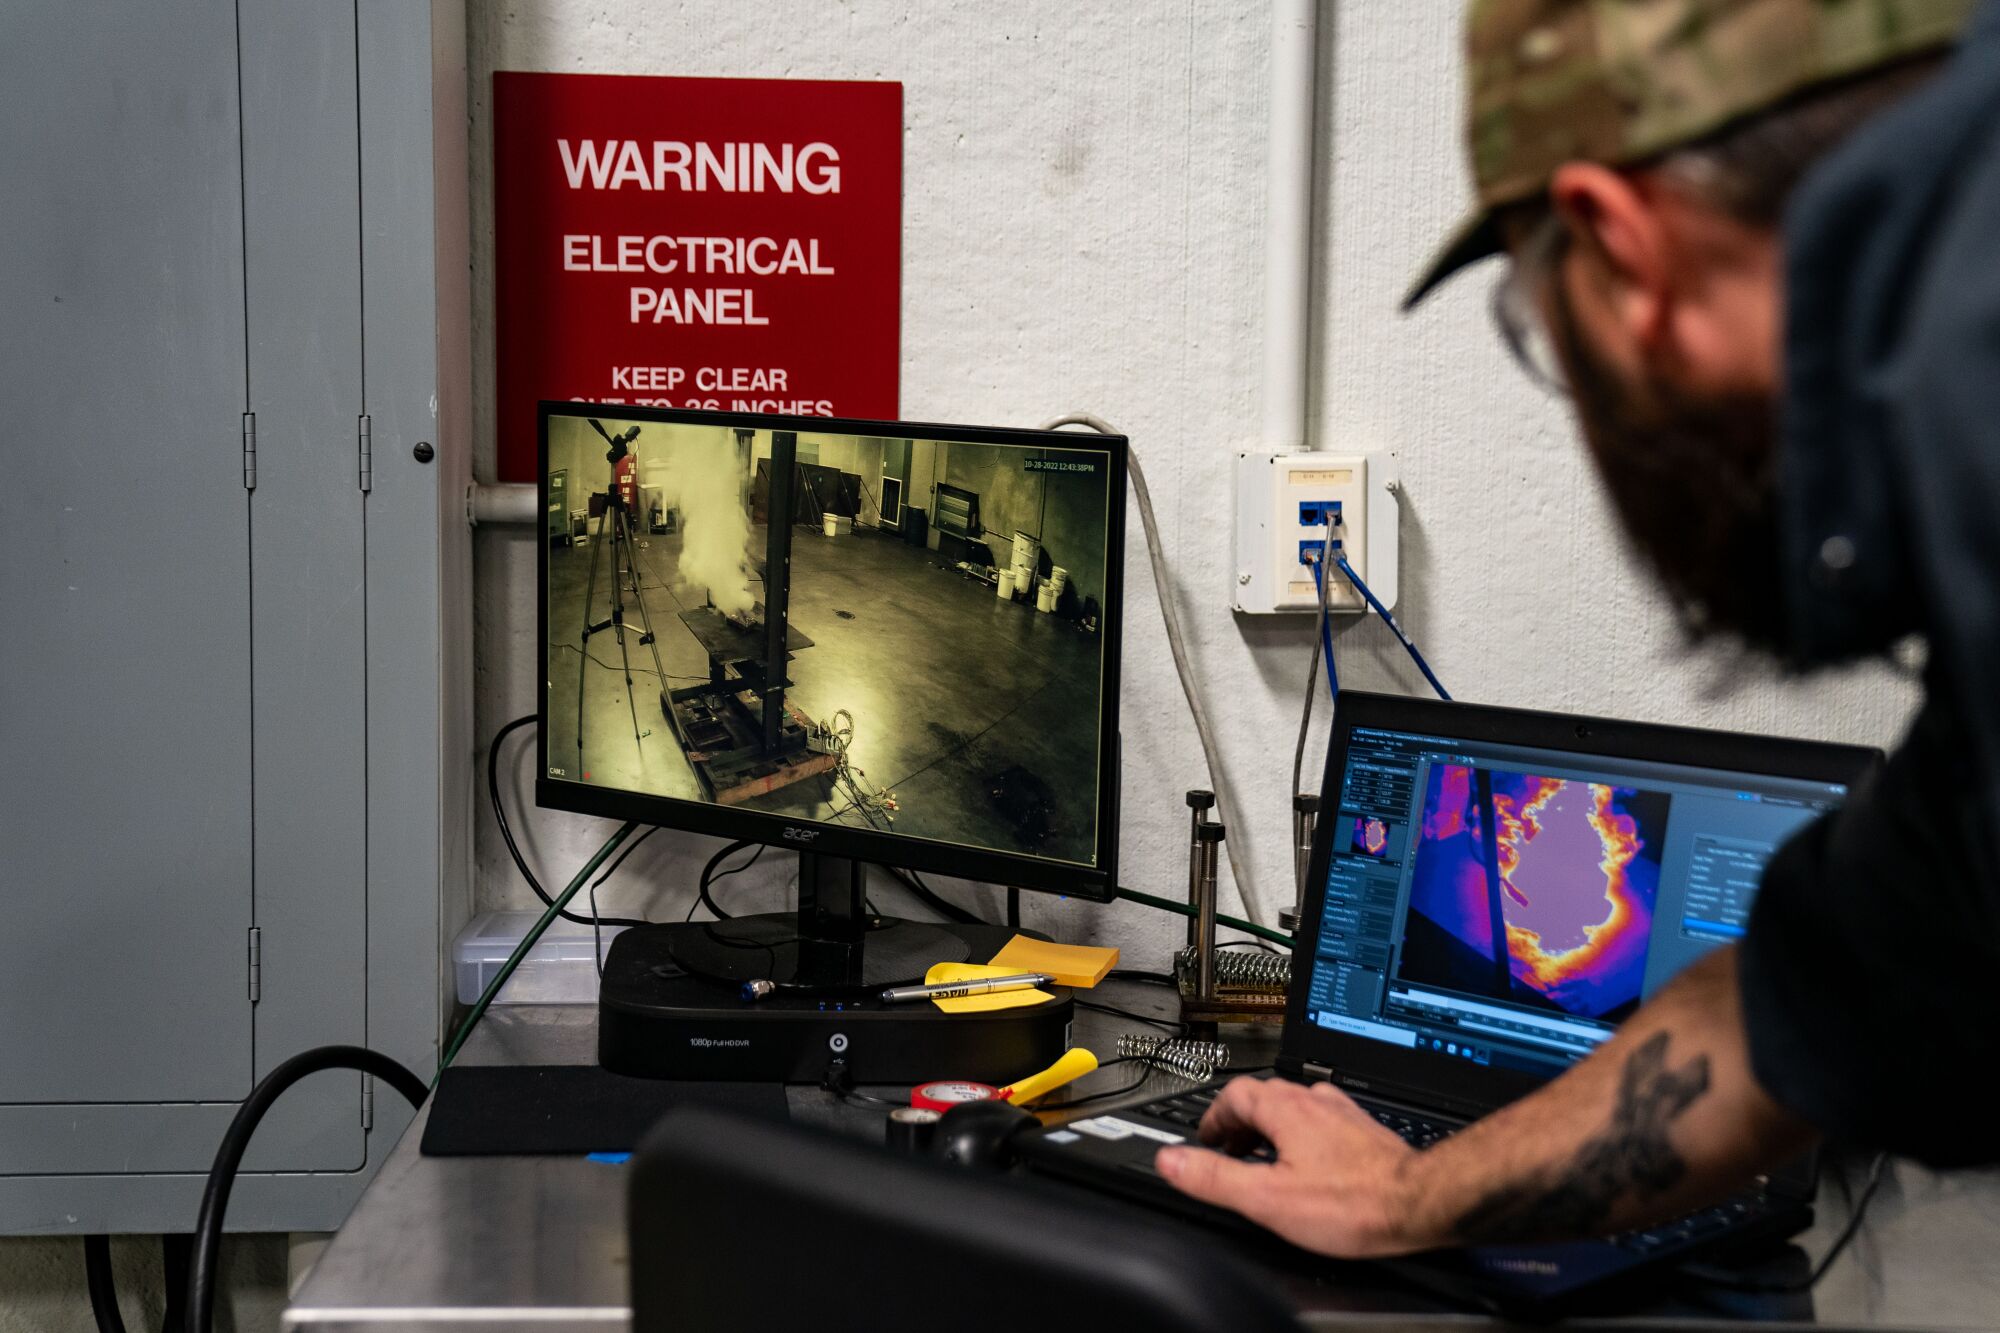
[{"x": 614, "y": 530}]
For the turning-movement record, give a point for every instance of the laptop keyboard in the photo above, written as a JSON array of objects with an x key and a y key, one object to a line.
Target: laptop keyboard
[{"x": 1186, "y": 1109}]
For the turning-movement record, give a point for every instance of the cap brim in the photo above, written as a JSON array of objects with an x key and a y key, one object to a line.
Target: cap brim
[{"x": 1476, "y": 239}]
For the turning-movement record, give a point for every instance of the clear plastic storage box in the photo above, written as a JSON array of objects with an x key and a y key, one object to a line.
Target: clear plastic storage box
[{"x": 558, "y": 970}]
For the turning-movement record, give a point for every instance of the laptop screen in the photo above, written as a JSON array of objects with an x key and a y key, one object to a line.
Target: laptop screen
[{"x": 1501, "y": 906}]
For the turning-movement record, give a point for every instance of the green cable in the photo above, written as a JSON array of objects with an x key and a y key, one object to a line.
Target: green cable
[
  {"x": 1237, "y": 923},
  {"x": 528, "y": 941}
]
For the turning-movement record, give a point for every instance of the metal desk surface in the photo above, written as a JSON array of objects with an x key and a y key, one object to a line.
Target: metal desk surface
[{"x": 538, "y": 1243}]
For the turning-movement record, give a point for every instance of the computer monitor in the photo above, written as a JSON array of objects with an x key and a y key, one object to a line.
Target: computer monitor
[
  {"x": 1503, "y": 888},
  {"x": 743, "y": 637}
]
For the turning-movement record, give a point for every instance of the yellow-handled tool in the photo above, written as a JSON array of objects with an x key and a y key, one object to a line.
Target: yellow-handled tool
[{"x": 1075, "y": 1063}]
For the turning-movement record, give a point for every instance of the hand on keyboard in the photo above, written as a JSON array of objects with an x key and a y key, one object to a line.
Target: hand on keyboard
[{"x": 1330, "y": 1185}]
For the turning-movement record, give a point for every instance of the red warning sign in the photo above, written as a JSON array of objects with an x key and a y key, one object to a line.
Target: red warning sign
[{"x": 731, "y": 244}]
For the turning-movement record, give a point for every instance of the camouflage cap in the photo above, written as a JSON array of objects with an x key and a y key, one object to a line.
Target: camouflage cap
[{"x": 1621, "y": 81}]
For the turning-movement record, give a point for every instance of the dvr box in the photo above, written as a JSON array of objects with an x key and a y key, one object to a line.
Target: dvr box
[{"x": 657, "y": 1021}]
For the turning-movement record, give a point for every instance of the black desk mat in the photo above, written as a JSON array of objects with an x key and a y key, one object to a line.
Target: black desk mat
[{"x": 567, "y": 1110}]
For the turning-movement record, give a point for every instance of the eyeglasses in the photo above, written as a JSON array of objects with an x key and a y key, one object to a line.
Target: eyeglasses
[{"x": 1518, "y": 311}]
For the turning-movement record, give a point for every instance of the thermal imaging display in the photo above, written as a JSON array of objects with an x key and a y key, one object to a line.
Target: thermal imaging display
[
  {"x": 1563, "y": 874},
  {"x": 1369, "y": 836},
  {"x": 1501, "y": 906}
]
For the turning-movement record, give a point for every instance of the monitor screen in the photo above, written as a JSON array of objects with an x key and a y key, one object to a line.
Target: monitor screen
[
  {"x": 1600, "y": 878},
  {"x": 875, "y": 640}
]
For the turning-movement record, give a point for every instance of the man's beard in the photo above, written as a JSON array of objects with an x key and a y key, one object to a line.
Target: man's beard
[{"x": 1694, "y": 481}]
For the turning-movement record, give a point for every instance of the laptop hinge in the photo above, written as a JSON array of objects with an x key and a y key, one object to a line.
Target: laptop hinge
[
  {"x": 1316, "y": 1073},
  {"x": 1427, "y": 1100}
]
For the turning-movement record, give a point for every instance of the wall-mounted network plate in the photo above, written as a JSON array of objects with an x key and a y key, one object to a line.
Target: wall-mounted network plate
[{"x": 1283, "y": 503}]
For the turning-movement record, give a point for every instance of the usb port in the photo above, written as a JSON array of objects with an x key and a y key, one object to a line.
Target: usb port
[{"x": 1318, "y": 513}]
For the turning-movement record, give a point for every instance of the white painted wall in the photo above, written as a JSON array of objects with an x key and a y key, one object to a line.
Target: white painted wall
[{"x": 1083, "y": 193}]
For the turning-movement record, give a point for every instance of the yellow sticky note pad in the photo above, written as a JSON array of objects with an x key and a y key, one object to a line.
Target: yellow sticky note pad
[
  {"x": 941, "y": 973},
  {"x": 1079, "y": 965}
]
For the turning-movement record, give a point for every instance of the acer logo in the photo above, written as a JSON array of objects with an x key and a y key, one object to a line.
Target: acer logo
[{"x": 801, "y": 834}]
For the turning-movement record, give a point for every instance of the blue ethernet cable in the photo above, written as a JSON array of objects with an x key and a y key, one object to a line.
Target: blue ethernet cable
[{"x": 1375, "y": 604}]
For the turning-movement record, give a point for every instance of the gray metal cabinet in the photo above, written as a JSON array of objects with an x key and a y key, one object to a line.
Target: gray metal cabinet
[{"x": 232, "y": 598}]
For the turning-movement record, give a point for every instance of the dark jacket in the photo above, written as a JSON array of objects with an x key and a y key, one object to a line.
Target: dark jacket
[{"x": 1872, "y": 968}]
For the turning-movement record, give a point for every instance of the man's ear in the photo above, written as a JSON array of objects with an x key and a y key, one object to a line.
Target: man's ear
[{"x": 1619, "y": 240}]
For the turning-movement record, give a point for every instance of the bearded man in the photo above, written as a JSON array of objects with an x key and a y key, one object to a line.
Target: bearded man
[{"x": 1757, "y": 242}]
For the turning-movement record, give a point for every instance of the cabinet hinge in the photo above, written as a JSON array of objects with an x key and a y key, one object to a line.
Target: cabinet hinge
[
  {"x": 249, "y": 451},
  {"x": 367, "y": 455},
  {"x": 256, "y": 963},
  {"x": 367, "y": 1101}
]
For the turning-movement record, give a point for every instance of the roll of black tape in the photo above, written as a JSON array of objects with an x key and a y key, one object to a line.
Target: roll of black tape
[{"x": 908, "y": 1129}]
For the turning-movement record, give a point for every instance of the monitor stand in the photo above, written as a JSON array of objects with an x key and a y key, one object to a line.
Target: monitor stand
[
  {"x": 831, "y": 946},
  {"x": 672, "y": 1002}
]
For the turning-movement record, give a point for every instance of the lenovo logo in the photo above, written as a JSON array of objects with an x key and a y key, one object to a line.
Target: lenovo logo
[{"x": 1527, "y": 1267}]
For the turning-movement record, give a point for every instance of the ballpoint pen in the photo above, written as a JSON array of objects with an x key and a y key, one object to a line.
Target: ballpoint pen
[{"x": 952, "y": 990}]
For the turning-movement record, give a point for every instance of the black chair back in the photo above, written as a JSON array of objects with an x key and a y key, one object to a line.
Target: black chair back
[{"x": 739, "y": 1223}]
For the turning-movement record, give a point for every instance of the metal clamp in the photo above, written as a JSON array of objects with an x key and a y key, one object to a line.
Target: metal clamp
[
  {"x": 1305, "y": 819},
  {"x": 1200, "y": 802}
]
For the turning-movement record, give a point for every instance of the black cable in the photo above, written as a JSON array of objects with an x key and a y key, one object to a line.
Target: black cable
[
  {"x": 103, "y": 1287},
  {"x": 1729, "y": 1282},
  {"x": 175, "y": 1248},
  {"x": 709, "y": 876},
  {"x": 596, "y": 921},
  {"x": 839, "y": 1081},
  {"x": 526, "y": 944},
  {"x": 1151, "y": 1067},
  {"x": 507, "y": 832},
  {"x": 1013, "y": 908},
  {"x": 923, "y": 893},
  {"x": 1150, "y": 978},
  {"x": 103, "y": 1283},
  {"x": 203, "y": 1263},
  {"x": 630, "y": 847},
  {"x": 642, "y": 670},
  {"x": 1175, "y": 1026}
]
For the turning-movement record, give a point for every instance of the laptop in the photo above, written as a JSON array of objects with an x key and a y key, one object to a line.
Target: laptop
[{"x": 1399, "y": 996}]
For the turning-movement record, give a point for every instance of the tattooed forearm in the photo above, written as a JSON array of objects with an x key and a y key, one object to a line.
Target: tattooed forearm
[{"x": 1632, "y": 1156}]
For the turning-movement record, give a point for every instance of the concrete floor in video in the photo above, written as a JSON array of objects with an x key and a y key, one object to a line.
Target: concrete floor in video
[{"x": 979, "y": 715}]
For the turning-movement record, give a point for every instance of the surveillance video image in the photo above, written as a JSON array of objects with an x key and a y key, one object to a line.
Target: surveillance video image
[{"x": 928, "y": 662}]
